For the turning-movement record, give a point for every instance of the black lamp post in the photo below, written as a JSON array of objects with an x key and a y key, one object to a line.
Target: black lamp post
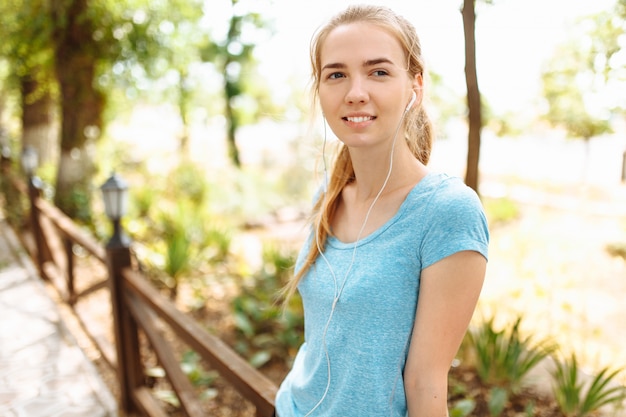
[
  {"x": 129, "y": 370},
  {"x": 115, "y": 196}
]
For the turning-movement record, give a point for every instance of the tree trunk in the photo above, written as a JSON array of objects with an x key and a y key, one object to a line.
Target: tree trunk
[
  {"x": 473, "y": 95},
  {"x": 183, "y": 106},
  {"x": 81, "y": 105},
  {"x": 232, "y": 87},
  {"x": 38, "y": 127},
  {"x": 231, "y": 125}
]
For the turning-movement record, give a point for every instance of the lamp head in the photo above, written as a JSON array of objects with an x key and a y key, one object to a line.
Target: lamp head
[
  {"x": 29, "y": 160},
  {"x": 115, "y": 196}
]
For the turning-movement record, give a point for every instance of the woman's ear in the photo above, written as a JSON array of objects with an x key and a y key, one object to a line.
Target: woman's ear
[
  {"x": 418, "y": 82},
  {"x": 418, "y": 85}
]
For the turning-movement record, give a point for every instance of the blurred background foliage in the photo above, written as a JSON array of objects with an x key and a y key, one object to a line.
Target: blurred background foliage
[{"x": 74, "y": 74}]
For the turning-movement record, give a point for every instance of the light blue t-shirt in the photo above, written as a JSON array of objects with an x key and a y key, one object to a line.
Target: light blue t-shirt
[{"x": 365, "y": 343}]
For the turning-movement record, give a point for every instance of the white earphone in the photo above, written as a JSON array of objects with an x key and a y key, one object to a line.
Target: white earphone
[
  {"x": 413, "y": 98},
  {"x": 339, "y": 285}
]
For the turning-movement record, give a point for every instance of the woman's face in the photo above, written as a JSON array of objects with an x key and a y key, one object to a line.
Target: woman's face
[{"x": 364, "y": 87}]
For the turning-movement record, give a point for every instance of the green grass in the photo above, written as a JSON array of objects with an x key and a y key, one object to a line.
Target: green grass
[{"x": 500, "y": 210}]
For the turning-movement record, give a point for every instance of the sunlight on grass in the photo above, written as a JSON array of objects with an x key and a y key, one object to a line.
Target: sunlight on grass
[{"x": 552, "y": 267}]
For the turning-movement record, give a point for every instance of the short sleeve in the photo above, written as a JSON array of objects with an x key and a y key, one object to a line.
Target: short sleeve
[{"x": 455, "y": 221}]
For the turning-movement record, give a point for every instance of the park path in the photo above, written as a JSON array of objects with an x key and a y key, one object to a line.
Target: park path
[{"x": 43, "y": 370}]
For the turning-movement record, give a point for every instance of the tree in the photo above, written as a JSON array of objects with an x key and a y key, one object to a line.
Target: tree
[
  {"x": 473, "y": 95},
  {"x": 607, "y": 56},
  {"x": 76, "y": 56},
  {"x": 564, "y": 87},
  {"x": 83, "y": 49},
  {"x": 165, "y": 49},
  {"x": 27, "y": 49},
  {"x": 234, "y": 58},
  {"x": 583, "y": 83},
  {"x": 89, "y": 49}
]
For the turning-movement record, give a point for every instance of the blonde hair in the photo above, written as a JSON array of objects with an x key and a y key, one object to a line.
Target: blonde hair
[{"x": 418, "y": 128}]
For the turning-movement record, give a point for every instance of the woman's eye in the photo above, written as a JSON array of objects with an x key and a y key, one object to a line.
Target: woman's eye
[
  {"x": 335, "y": 75},
  {"x": 380, "y": 73}
]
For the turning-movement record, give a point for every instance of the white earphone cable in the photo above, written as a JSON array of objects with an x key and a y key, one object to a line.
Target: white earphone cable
[{"x": 338, "y": 292}]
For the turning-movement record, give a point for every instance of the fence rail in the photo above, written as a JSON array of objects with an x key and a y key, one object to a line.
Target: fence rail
[{"x": 138, "y": 308}]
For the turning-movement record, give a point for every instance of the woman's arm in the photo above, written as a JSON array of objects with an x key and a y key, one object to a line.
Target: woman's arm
[{"x": 449, "y": 291}]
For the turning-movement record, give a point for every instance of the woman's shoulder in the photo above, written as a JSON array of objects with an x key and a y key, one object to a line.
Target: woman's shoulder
[
  {"x": 441, "y": 186},
  {"x": 444, "y": 195}
]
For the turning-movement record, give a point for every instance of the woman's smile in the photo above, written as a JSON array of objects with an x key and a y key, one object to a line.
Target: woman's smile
[
  {"x": 364, "y": 86},
  {"x": 359, "y": 119}
]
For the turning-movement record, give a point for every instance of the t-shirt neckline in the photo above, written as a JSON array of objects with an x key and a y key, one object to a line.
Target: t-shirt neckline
[{"x": 418, "y": 188}]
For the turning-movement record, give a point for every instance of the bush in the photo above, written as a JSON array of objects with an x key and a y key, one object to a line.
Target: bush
[
  {"x": 576, "y": 401},
  {"x": 265, "y": 329},
  {"x": 504, "y": 358}
]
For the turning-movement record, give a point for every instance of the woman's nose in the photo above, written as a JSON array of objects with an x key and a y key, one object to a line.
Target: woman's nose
[{"x": 357, "y": 93}]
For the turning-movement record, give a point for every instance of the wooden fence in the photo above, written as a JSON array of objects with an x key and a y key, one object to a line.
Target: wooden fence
[{"x": 137, "y": 308}]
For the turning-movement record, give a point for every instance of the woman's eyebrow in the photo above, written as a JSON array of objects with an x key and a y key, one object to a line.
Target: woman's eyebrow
[
  {"x": 334, "y": 65},
  {"x": 377, "y": 61},
  {"x": 366, "y": 63}
]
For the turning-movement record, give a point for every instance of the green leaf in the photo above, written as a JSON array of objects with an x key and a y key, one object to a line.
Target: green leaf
[
  {"x": 167, "y": 396},
  {"x": 498, "y": 398},
  {"x": 244, "y": 324},
  {"x": 463, "y": 408},
  {"x": 260, "y": 358}
]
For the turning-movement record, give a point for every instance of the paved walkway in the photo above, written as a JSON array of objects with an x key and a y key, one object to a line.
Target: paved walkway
[{"x": 43, "y": 371}]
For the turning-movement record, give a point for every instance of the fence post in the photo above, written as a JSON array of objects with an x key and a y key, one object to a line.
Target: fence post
[
  {"x": 129, "y": 368},
  {"x": 34, "y": 193},
  {"x": 69, "y": 257},
  {"x": 29, "y": 160},
  {"x": 125, "y": 328}
]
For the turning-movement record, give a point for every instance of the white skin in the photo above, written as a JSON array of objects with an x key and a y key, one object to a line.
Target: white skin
[{"x": 364, "y": 89}]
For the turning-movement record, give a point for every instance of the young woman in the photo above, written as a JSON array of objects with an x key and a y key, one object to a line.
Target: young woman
[{"x": 392, "y": 271}]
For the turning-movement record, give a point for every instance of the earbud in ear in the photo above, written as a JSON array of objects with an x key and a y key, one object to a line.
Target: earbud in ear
[{"x": 413, "y": 98}]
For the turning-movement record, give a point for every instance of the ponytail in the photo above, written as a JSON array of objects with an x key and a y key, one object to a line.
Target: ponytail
[{"x": 323, "y": 211}]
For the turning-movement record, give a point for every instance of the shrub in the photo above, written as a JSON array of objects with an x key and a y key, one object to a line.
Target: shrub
[
  {"x": 576, "y": 401},
  {"x": 504, "y": 358},
  {"x": 265, "y": 330}
]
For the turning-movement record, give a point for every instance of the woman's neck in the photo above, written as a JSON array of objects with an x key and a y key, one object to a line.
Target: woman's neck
[{"x": 372, "y": 172}]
